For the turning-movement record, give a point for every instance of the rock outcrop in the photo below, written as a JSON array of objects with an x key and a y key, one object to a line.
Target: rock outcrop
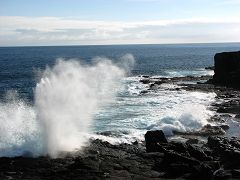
[
  {"x": 217, "y": 159},
  {"x": 152, "y": 138},
  {"x": 227, "y": 69}
]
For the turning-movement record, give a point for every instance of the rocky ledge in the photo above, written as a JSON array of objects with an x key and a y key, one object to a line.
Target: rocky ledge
[
  {"x": 218, "y": 158},
  {"x": 227, "y": 69}
]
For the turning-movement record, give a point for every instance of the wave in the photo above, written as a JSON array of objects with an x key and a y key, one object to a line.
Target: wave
[
  {"x": 182, "y": 73},
  {"x": 165, "y": 108},
  {"x": 19, "y": 131},
  {"x": 66, "y": 99}
]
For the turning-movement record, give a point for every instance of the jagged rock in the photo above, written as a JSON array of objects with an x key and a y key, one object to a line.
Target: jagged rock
[
  {"x": 159, "y": 82},
  {"x": 197, "y": 153},
  {"x": 224, "y": 127},
  {"x": 207, "y": 130},
  {"x": 145, "y": 81},
  {"x": 227, "y": 69},
  {"x": 102, "y": 160},
  {"x": 216, "y": 118},
  {"x": 231, "y": 109},
  {"x": 206, "y": 172},
  {"x": 221, "y": 174},
  {"x": 192, "y": 141},
  {"x": 177, "y": 147},
  {"x": 236, "y": 173},
  {"x": 144, "y": 92},
  {"x": 173, "y": 157},
  {"x": 153, "y": 139},
  {"x": 237, "y": 116},
  {"x": 177, "y": 169}
]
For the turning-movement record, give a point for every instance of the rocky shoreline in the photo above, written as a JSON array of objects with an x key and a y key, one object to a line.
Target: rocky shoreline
[
  {"x": 218, "y": 157},
  {"x": 156, "y": 158}
]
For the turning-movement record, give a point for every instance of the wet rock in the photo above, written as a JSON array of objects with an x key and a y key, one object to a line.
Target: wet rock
[
  {"x": 86, "y": 163},
  {"x": 135, "y": 143},
  {"x": 159, "y": 82},
  {"x": 178, "y": 147},
  {"x": 177, "y": 169},
  {"x": 236, "y": 173},
  {"x": 197, "y": 153},
  {"x": 145, "y": 81},
  {"x": 122, "y": 174},
  {"x": 214, "y": 142},
  {"x": 207, "y": 130},
  {"x": 151, "y": 86},
  {"x": 205, "y": 172},
  {"x": 237, "y": 116},
  {"x": 102, "y": 160},
  {"x": 227, "y": 69},
  {"x": 153, "y": 139},
  {"x": 192, "y": 141},
  {"x": 153, "y": 155},
  {"x": 224, "y": 127},
  {"x": 228, "y": 150},
  {"x": 221, "y": 174},
  {"x": 144, "y": 92},
  {"x": 173, "y": 157},
  {"x": 222, "y": 110},
  {"x": 230, "y": 109},
  {"x": 216, "y": 118}
]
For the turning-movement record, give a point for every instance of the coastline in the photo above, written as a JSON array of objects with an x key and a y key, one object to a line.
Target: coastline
[
  {"x": 207, "y": 153},
  {"x": 193, "y": 159}
]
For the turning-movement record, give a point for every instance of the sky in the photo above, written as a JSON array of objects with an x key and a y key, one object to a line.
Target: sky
[{"x": 96, "y": 22}]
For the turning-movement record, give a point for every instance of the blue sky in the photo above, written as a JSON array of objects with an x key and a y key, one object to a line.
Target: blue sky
[{"x": 66, "y": 22}]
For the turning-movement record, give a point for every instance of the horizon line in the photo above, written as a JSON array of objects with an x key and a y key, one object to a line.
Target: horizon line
[{"x": 187, "y": 43}]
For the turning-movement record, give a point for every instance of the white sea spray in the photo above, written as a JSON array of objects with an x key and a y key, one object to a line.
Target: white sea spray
[{"x": 66, "y": 99}]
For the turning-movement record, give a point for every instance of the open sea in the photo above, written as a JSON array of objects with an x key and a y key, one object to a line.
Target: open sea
[{"x": 33, "y": 89}]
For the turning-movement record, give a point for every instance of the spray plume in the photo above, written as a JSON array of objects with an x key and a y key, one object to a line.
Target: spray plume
[{"x": 66, "y": 99}]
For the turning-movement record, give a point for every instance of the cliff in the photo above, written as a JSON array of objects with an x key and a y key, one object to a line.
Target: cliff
[{"x": 227, "y": 69}]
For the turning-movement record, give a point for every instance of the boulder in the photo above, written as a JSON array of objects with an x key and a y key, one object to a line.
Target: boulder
[
  {"x": 145, "y": 81},
  {"x": 227, "y": 69},
  {"x": 153, "y": 139}
]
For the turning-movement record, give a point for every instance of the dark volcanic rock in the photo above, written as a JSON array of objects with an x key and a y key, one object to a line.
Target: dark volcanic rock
[
  {"x": 237, "y": 116},
  {"x": 227, "y": 69},
  {"x": 153, "y": 139},
  {"x": 206, "y": 130},
  {"x": 192, "y": 141},
  {"x": 197, "y": 153},
  {"x": 218, "y": 159},
  {"x": 145, "y": 81}
]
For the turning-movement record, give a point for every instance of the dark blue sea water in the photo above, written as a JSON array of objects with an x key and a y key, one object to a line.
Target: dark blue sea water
[
  {"x": 18, "y": 65},
  {"x": 70, "y": 102}
]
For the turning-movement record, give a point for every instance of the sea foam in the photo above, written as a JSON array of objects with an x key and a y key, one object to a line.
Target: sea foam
[{"x": 66, "y": 99}]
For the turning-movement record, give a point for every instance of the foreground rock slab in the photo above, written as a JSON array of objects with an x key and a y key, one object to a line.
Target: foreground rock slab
[{"x": 219, "y": 158}]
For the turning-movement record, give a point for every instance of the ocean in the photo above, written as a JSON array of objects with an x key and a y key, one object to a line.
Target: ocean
[{"x": 94, "y": 92}]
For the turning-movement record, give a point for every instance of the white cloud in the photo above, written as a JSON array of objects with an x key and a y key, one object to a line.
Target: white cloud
[
  {"x": 17, "y": 30},
  {"x": 233, "y": 2}
]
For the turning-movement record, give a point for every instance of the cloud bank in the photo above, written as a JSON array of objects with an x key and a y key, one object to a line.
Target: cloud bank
[{"x": 19, "y": 30}]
